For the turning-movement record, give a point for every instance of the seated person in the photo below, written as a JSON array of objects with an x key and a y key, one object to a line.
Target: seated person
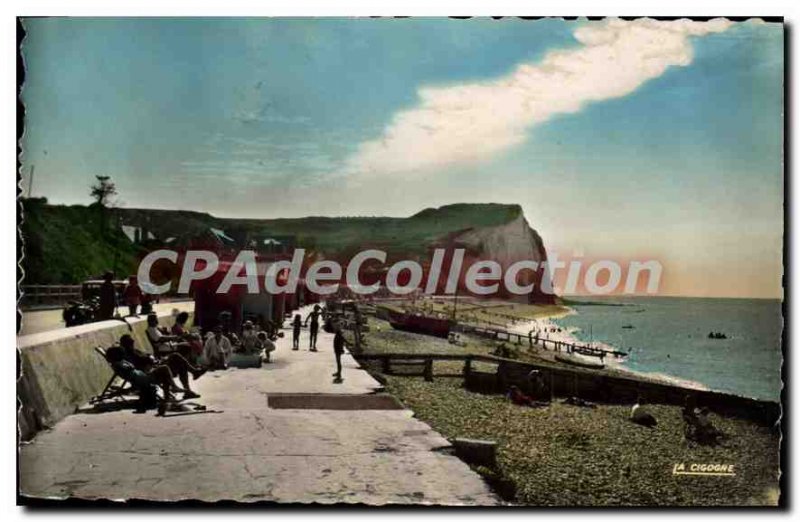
[
  {"x": 577, "y": 401},
  {"x": 180, "y": 330},
  {"x": 268, "y": 345},
  {"x": 147, "y": 303},
  {"x": 225, "y": 319},
  {"x": 250, "y": 341},
  {"x": 516, "y": 396},
  {"x": 164, "y": 343},
  {"x": 697, "y": 425},
  {"x": 144, "y": 381},
  {"x": 538, "y": 386},
  {"x": 270, "y": 327},
  {"x": 706, "y": 432},
  {"x": 217, "y": 350},
  {"x": 176, "y": 363}
]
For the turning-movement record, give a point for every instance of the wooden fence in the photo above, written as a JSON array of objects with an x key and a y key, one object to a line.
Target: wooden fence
[{"x": 562, "y": 381}]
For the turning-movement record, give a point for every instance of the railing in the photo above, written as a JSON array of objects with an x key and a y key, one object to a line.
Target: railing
[
  {"x": 425, "y": 362},
  {"x": 48, "y": 295}
]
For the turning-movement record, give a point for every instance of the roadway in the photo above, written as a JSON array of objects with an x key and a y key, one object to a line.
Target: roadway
[{"x": 37, "y": 321}]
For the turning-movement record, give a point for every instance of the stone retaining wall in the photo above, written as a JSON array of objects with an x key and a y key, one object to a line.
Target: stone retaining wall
[{"x": 60, "y": 370}]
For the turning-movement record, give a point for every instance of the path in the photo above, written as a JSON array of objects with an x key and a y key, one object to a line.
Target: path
[{"x": 251, "y": 452}]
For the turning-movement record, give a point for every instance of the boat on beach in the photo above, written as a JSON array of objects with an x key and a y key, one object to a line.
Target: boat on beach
[
  {"x": 419, "y": 323},
  {"x": 578, "y": 361}
]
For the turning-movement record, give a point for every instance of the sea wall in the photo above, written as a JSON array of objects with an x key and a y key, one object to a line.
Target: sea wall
[
  {"x": 59, "y": 370},
  {"x": 602, "y": 387}
]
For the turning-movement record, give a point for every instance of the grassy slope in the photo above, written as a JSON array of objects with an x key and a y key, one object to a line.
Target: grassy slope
[
  {"x": 67, "y": 244},
  {"x": 343, "y": 234},
  {"x": 64, "y": 244},
  {"x": 391, "y": 234}
]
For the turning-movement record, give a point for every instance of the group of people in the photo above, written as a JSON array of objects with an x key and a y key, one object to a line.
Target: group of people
[
  {"x": 132, "y": 296},
  {"x": 183, "y": 353},
  {"x": 146, "y": 372},
  {"x": 698, "y": 427},
  {"x": 539, "y": 392},
  {"x": 312, "y": 321},
  {"x": 221, "y": 344},
  {"x": 135, "y": 297}
]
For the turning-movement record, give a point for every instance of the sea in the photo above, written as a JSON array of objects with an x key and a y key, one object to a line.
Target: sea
[{"x": 668, "y": 337}]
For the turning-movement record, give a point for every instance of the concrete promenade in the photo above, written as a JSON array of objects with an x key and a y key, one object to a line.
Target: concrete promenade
[{"x": 241, "y": 449}]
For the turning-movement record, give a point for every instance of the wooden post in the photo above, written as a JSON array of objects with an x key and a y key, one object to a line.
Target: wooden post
[
  {"x": 467, "y": 366},
  {"x": 429, "y": 370},
  {"x": 386, "y": 365},
  {"x": 357, "y": 331}
]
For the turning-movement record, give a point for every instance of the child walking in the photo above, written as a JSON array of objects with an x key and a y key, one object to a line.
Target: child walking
[{"x": 296, "y": 324}]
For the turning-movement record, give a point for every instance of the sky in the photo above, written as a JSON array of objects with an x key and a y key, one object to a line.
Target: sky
[{"x": 620, "y": 139}]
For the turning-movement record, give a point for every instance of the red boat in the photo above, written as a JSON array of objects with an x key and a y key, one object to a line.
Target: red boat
[{"x": 418, "y": 323}]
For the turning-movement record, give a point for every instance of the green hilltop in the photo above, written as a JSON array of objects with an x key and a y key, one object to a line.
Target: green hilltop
[{"x": 67, "y": 244}]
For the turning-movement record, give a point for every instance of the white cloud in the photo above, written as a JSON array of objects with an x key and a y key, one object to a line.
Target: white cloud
[{"x": 471, "y": 122}]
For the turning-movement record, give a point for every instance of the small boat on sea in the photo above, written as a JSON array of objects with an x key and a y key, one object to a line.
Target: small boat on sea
[
  {"x": 419, "y": 323},
  {"x": 578, "y": 361}
]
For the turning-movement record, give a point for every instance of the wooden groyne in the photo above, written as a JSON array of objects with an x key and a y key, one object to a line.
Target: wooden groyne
[
  {"x": 500, "y": 334},
  {"x": 588, "y": 384}
]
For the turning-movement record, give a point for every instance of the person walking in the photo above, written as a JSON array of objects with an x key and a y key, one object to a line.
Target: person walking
[
  {"x": 338, "y": 349},
  {"x": 133, "y": 296},
  {"x": 313, "y": 327},
  {"x": 296, "y": 324}
]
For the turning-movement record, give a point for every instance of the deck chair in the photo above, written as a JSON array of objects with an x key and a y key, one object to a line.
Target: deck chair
[{"x": 112, "y": 390}]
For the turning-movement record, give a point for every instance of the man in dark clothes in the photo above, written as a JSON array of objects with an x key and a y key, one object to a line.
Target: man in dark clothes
[
  {"x": 313, "y": 328},
  {"x": 176, "y": 363},
  {"x": 108, "y": 297},
  {"x": 338, "y": 350},
  {"x": 144, "y": 381}
]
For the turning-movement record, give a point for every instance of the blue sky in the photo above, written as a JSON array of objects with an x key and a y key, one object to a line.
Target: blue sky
[{"x": 672, "y": 149}]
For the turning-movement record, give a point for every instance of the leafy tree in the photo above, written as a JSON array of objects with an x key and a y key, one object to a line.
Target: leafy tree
[{"x": 103, "y": 190}]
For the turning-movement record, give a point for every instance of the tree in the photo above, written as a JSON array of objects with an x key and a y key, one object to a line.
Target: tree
[{"x": 103, "y": 190}]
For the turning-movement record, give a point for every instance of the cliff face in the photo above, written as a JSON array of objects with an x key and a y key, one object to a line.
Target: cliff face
[{"x": 508, "y": 243}]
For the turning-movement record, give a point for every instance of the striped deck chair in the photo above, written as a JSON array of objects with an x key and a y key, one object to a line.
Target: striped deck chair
[{"x": 116, "y": 388}]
